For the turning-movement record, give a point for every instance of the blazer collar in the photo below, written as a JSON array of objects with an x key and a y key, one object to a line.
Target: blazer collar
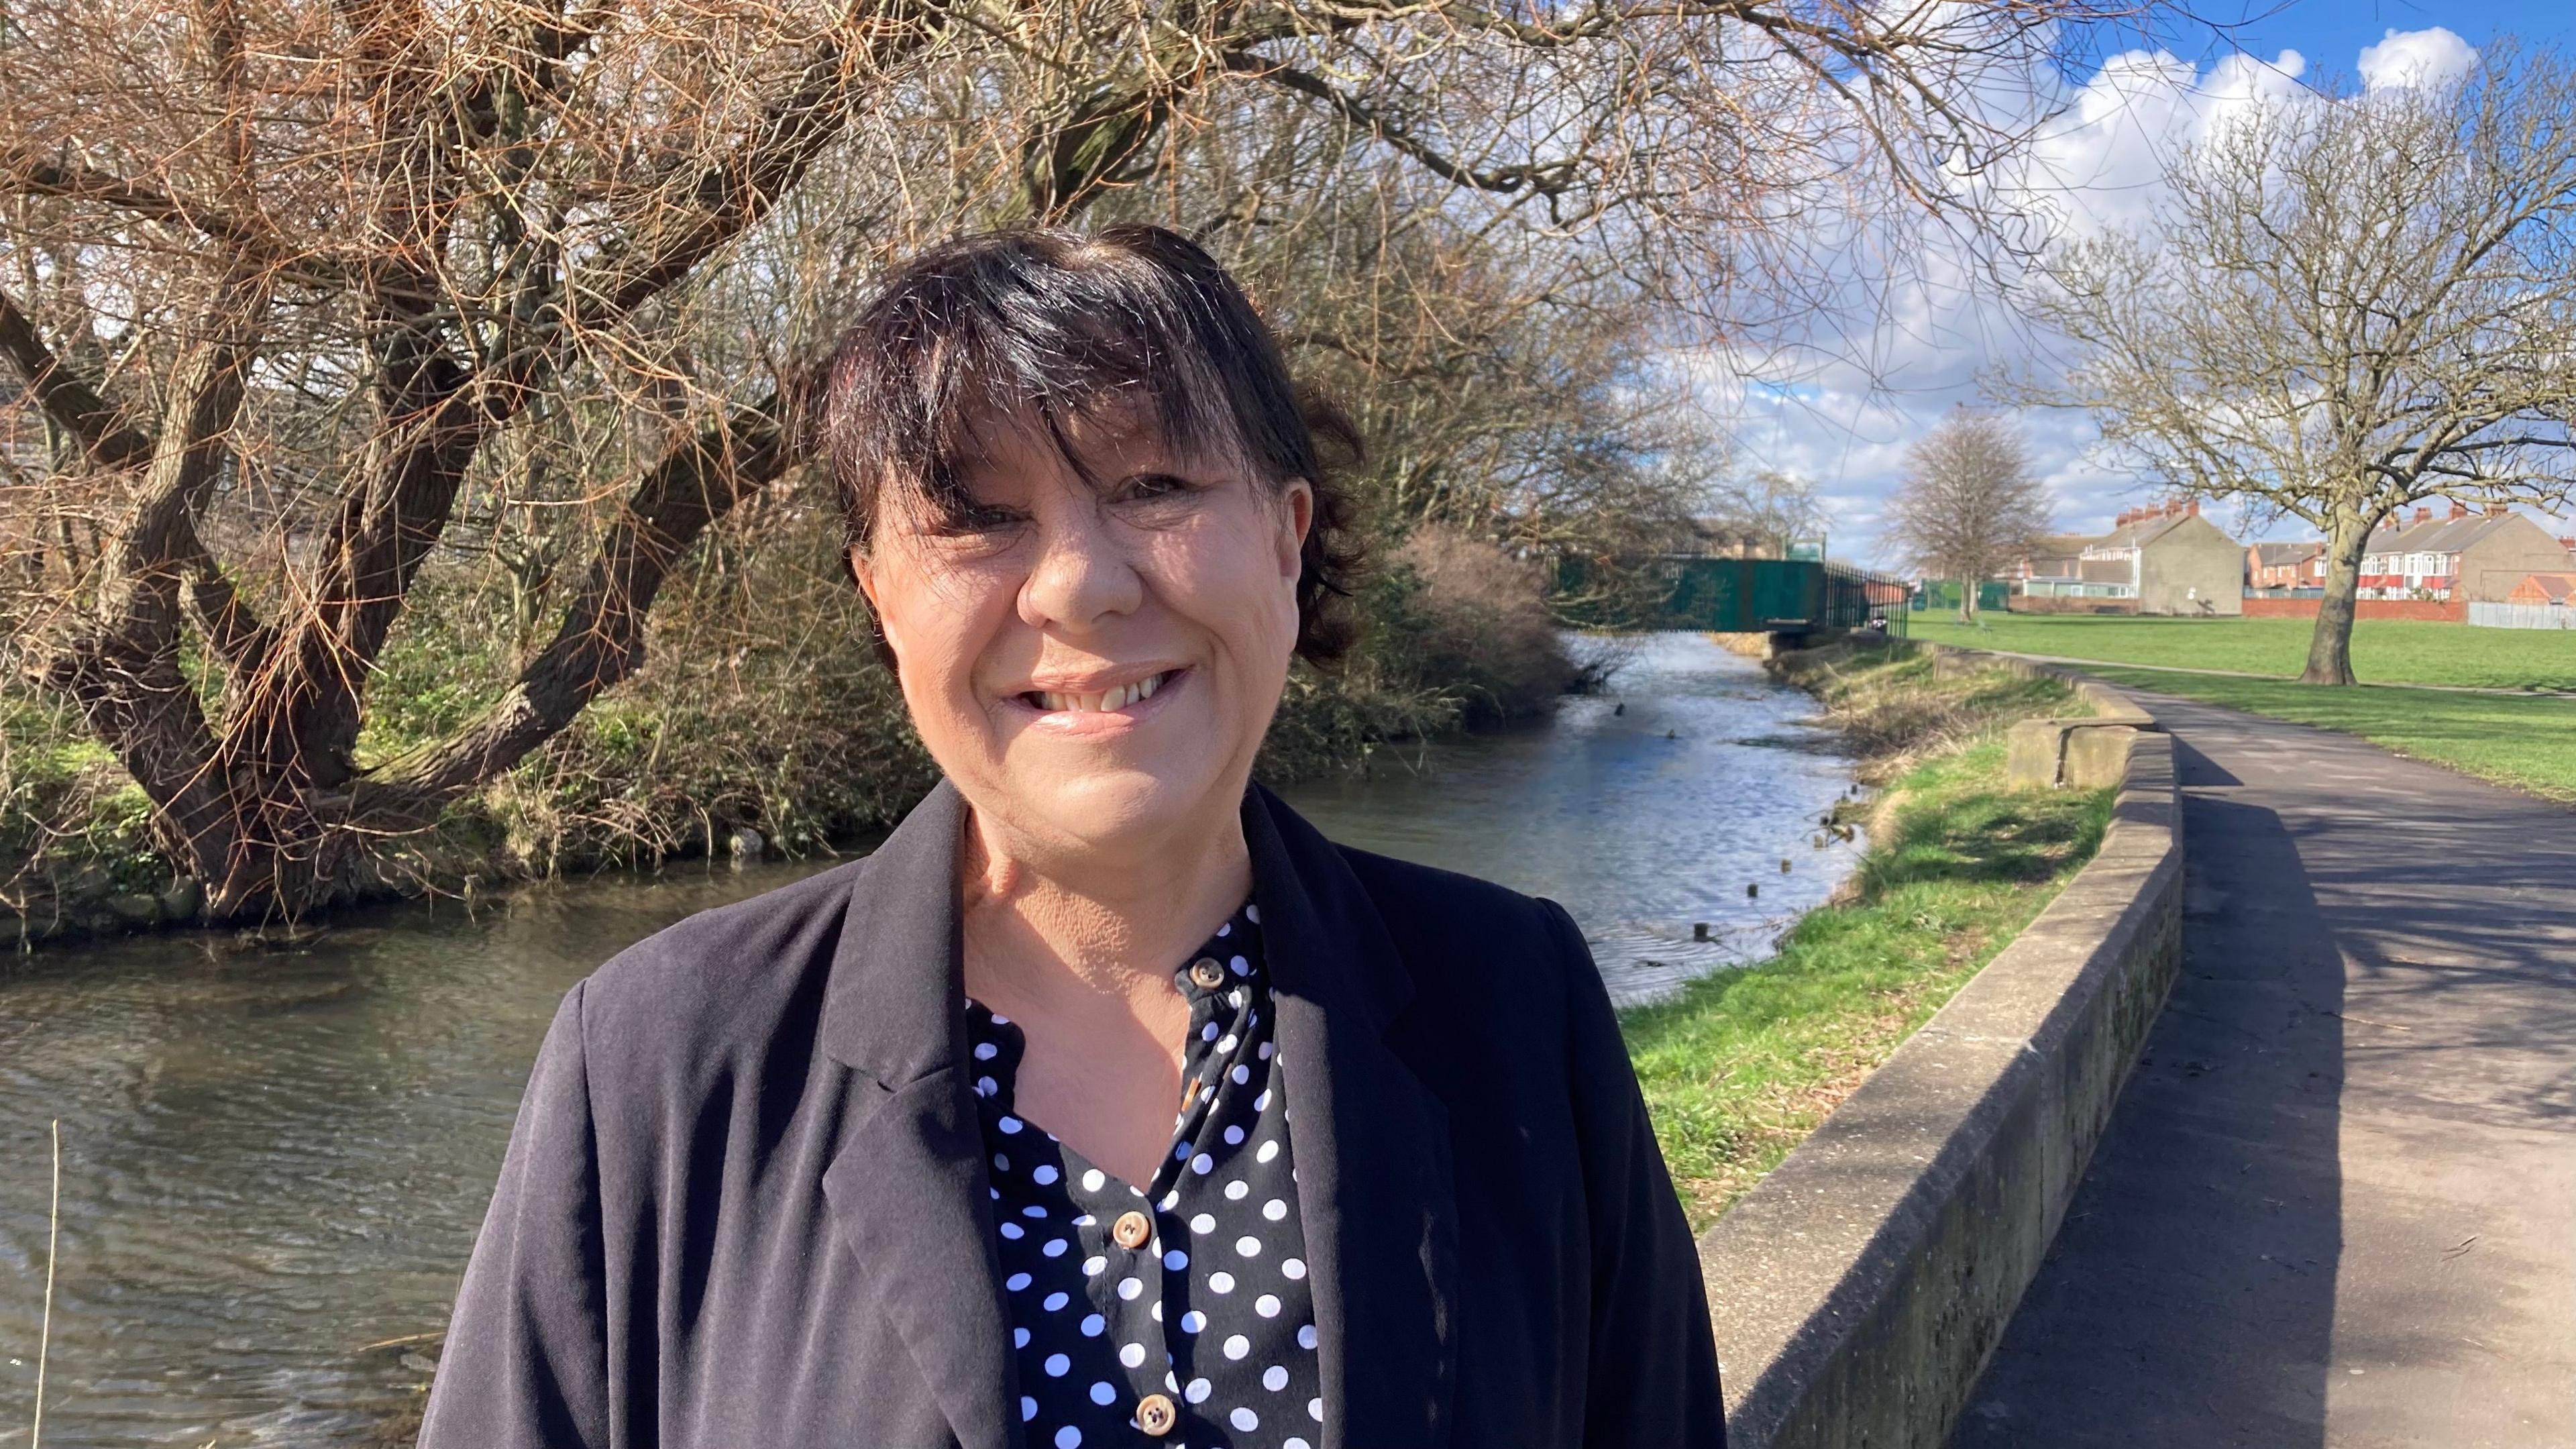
[
  {"x": 894, "y": 1006},
  {"x": 908, "y": 1187}
]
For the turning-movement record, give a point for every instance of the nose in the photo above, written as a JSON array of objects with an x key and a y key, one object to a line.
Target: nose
[{"x": 1082, "y": 573}]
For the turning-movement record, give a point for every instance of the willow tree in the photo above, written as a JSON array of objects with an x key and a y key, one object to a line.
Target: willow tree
[
  {"x": 2350, "y": 303},
  {"x": 332, "y": 272}
]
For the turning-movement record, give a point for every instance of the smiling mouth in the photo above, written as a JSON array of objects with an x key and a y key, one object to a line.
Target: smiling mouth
[{"x": 1102, "y": 702}]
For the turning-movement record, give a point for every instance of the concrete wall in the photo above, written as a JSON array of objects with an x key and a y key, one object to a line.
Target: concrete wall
[
  {"x": 2191, "y": 568},
  {"x": 1859, "y": 1289}
]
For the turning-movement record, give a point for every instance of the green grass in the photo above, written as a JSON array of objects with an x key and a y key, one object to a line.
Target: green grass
[
  {"x": 2527, "y": 744},
  {"x": 1742, "y": 1065},
  {"x": 2392, "y": 651}
]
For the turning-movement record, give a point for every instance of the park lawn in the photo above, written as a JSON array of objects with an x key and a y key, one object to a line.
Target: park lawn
[
  {"x": 2526, "y": 743},
  {"x": 1741, "y": 1065},
  {"x": 2394, "y": 651}
]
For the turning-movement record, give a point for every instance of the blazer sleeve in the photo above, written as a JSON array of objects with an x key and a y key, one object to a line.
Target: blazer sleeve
[
  {"x": 525, "y": 1361},
  {"x": 1653, "y": 1371}
]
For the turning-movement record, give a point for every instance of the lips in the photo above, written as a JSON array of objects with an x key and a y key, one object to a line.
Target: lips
[{"x": 1098, "y": 701}]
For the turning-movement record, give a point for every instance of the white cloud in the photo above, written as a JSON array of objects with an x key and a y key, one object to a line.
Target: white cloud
[
  {"x": 2412, "y": 59},
  {"x": 1927, "y": 327}
]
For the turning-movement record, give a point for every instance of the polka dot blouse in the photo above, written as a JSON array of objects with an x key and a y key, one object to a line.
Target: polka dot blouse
[{"x": 1175, "y": 1313}]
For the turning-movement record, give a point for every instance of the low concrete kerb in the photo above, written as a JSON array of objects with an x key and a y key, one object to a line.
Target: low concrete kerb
[
  {"x": 2088, "y": 752},
  {"x": 1857, "y": 1291}
]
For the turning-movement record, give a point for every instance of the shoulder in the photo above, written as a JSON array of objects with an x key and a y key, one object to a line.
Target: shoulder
[
  {"x": 1448, "y": 899},
  {"x": 720, "y": 983},
  {"x": 1454, "y": 930}
]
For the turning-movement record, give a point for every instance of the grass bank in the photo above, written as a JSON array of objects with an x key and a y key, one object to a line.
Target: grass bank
[
  {"x": 2388, "y": 651},
  {"x": 1740, "y": 1066}
]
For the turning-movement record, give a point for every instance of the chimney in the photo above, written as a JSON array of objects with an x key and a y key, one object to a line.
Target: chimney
[
  {"x": 2458, "y": 509},
  {"x": 2498, "y": 510},
  {"x": 2423, "y": 515},
  {"x": 2193, "y": 508}
]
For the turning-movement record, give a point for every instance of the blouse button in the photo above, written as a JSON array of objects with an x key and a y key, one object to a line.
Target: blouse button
[
  {"x": 1207, "y": 973},
  {"x": 1131, "y": 1230},
  {"x": 1155, "y": 1415}
]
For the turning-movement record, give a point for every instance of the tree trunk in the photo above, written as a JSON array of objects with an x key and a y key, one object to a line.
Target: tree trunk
[
  {"x": 2330, "y": 648},
  {"x": 1967, "y": 601}
]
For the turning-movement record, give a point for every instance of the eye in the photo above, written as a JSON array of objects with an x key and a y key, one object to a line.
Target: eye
[
  {"x": 978, "y": 520},
  {"x": 1150, "y": 487}
]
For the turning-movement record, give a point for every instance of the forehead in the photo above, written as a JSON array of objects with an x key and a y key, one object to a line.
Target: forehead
[{"x": 1096, "y": 444}]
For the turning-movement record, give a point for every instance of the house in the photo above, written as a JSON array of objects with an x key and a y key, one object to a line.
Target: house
[
  {"x": 2286, "y": 565},
  {"x": 2543, "y": 590},
  {"x": 2165, "y": 560},
  {"x": 1705, "y": 537},
  {"x": 2052, "y": 557},
  {"x": 2476, "y": 557}
]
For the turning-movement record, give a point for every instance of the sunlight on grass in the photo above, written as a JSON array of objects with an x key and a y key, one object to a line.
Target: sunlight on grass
[
  {"x": 2528, "y": 744},
  {"x": 2395, "y": 651}
]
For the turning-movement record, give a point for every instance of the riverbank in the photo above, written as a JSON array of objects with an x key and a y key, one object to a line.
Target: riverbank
[
  {"x": 1741, "y": 1065},
  {"x": 764, "y": 726}
]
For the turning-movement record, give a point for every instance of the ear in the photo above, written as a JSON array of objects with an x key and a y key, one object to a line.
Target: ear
[
  {"x": 864, "y": 575},
  {"x": 1297, "y": 518}
]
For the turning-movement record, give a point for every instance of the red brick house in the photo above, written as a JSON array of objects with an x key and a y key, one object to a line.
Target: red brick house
[
  {"x": 2285, "y": 565},
  {"x": 2477, "y": 557}
]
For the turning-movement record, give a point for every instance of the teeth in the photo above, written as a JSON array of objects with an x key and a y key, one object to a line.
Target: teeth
[{"x": 1110, "y": 699}]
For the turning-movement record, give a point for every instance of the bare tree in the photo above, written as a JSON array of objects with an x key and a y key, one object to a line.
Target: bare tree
[
  {"x": 310, "y": 298},
  {"x": 2353, "y": 303},
  {"x": 1968, "y": 504},
  {"x": 1772, "y": 506}
]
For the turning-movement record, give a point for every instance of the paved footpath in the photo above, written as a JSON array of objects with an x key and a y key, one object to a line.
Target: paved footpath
[{"x": 2337, "y": 1201}]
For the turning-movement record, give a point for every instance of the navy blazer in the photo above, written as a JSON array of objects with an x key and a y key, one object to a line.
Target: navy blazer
[{"x": 744, "y": 1205}]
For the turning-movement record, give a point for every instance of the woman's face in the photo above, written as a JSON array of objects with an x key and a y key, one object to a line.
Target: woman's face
[{"x": 1093, "y": 663}]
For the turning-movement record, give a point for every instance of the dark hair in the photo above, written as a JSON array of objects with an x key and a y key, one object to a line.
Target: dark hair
[{"x": 1059, "y": 325}]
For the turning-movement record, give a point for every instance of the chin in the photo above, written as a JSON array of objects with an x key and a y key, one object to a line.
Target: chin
[{"x": 1107, "y": 807}]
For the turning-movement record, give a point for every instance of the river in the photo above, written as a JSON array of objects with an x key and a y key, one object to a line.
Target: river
[{"x": 274, "y": 1159}]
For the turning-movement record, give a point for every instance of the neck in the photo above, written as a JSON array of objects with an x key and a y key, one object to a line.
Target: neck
[{"x": 1039, "y": 924}]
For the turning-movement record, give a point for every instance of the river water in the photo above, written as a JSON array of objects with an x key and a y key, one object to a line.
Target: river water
[{"x": 274, "y": 1160}]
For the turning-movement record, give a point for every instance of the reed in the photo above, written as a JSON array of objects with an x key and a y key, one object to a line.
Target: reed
[{"x": 45, "y": 1329}]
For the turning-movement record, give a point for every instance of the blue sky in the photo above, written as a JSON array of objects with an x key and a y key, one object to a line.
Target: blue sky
[
  {"x": 1844, "y": 413},
  {"x": 2332, "y": 32}
]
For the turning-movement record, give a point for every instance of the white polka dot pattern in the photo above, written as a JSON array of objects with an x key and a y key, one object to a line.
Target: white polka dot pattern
[{"x": 1089, "y": 1325}]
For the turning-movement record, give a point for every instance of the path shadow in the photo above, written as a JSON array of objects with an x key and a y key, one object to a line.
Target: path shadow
[
  {"x": 2192, "y": 769},
  {"x": 2188, "y": 1301}
]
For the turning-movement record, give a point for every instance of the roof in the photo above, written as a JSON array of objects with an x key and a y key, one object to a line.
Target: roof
[
  {"x": 2141, "y": 532},
  {"x": 2275, "y": 555},
  {"x": 2439, "y": 535},
  {"x": 2556, "y": 588}
]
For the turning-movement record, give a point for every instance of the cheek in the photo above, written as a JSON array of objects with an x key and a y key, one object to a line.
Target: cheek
[
  {"x": 941, "y": 619},
  {"x": 1226, "y": 577}
]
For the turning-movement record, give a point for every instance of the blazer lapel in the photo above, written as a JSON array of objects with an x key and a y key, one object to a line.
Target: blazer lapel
[
  {"x": 1373, "y": 1173},
  {"x": 910, "y": 1200}
]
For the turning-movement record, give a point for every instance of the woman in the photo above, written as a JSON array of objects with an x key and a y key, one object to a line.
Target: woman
[{"x": 1106, "y": 1103}]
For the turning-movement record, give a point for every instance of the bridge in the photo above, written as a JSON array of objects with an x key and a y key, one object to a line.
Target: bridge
[{"x": 1751, "y": 596}]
